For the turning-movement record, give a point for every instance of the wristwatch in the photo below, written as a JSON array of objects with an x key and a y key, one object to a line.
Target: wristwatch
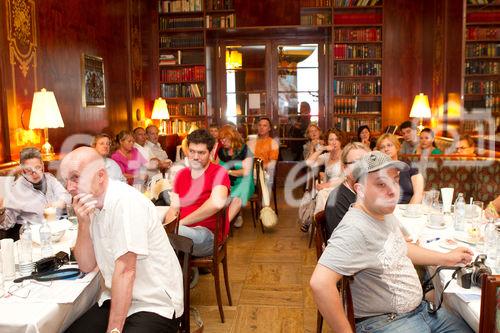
[{"x": 115, "y": 330}]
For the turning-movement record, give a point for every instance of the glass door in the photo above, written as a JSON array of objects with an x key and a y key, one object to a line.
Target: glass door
[{"x": 246, "y": 89}]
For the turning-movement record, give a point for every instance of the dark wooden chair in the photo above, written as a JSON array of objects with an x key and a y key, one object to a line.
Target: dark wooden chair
[
  {"x": 319, "y": 221},
  {"x": 490, "y": 296},
  {"x": 219, "y": 256},
  {"x": 275, "y": 180},
  {"x": 183, "y": 247},
  {"x": 256, "y": 198},
  {"x": 312, "y": 176}
]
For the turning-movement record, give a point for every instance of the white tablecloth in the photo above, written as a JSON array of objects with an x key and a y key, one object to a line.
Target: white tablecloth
[
  {"x": 35, "y": 315},
  {"x": 457, "y": 300}
]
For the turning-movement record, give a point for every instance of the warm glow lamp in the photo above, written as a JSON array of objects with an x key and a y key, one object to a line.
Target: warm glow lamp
[
  {"x": 45, "y": 114},
  {"x": 234, "y": 59},
  {"x": 160, "y": 111},
  {"x": 420, "y": 109}
]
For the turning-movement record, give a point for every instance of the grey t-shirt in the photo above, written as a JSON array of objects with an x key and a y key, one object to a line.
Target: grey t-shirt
[
  {"x": 408, "y": 148},
  {"x": 385, "y": 280}
]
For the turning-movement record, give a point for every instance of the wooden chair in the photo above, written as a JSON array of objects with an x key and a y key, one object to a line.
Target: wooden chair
[
  {"x": 256, "y": 198},
  {"x": 183, "y": 247},
  {"x": 311, "y": 186},
  {"x": 490, "y": 296},
  {"x": 319, "y": 221},
  {"x": 275, "y": 178},
  {"x": 219, "y": 256}
]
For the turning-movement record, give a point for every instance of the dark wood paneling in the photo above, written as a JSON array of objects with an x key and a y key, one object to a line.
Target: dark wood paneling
[
  {"x": 269, "y": 12},
  {"x": 402, "y": 58},
  {"x": 68, "y": 29}
]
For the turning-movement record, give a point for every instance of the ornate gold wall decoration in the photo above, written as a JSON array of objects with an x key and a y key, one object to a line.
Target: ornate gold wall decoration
[{"x": 21, "y": 34}]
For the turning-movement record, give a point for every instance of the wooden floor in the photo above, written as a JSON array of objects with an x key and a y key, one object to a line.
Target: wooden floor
[{"x": 269, "y": 275}]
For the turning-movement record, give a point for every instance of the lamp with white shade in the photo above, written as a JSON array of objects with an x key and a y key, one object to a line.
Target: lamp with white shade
[
  {"x": 420, "y": 109},
  {"x": 45, "y": 114},
  {"x": 160, "y": 111}
]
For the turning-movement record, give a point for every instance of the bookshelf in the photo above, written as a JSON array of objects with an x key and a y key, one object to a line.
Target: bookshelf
[
  {"x": 220, "y": 14},
  {"x": 356, "y": 78},
  {"x": 482, "y": 60},
  {"x": 315, "y": 12},
  {"x": 182, "y": 64}
]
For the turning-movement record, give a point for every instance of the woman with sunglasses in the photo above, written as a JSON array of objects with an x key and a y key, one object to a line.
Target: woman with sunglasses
[{"x": 30, "y": 194}]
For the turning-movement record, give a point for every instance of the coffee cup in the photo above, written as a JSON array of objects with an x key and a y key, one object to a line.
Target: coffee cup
[
  {"x": 49, "y": 213},
  {"x": 436, "y": 220},
  {"x": 413, "y": 210}
]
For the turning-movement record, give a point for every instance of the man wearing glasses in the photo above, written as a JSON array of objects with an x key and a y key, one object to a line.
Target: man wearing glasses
[{"x": 33, "y": 191}]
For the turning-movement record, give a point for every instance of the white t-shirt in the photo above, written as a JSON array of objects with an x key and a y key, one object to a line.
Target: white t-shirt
[
  {"x": 128, "y": 222},
  {"x": 113, "y": 169},
  {"x": 143, "y": 150},
  {"x": 155, "y": 150}
]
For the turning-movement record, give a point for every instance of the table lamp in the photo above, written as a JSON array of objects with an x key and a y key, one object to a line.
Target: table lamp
[
  {"x": 45, "y": 114},
  {"x": 420, "y": 109},
  {"x": 160, "y": 111}
]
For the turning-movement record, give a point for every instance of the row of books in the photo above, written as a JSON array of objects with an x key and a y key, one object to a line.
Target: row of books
[
  {"x": 358, "y": 69},
  {"x": 347, "y": 124},
  {"x": 192, "y": 40},
  {"x": 182, "y": 90},
  {"x": 481, "y": 2},
  {"x": 180, "y": 57},
  {"x": 357, "y": 88},
  {"x": 180, "y": 22},
  {"x": 482, "y": 67},
  {"x": 220, "y": 4},
  {"x": 358, "y": 3},
  {"x": 482, "y": 50},
  {"x": 348, "y": 51},
  {"x": 358, "y": 18},
  {"x": 483, "y": 16},
  {"x": 358, "y": 35},
  {"x": 482, "y": 87},
  {"x": 178, "y": 126},
  {"x": 195, "y": 73},
  {"x": 316, "y": 19},
  {"x": 190, "y": 109},
  {"x": 482, "y": 33},
  {"x": 315, "y": 3},
  {"x": 179, "y": 6},
  {"x": 351, "y": 105},
  {"x": 221, "y": 21}
]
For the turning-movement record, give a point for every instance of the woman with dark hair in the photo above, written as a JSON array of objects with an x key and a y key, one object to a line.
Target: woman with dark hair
[
  {"x": 364, "y": 137},
  {"x": 129, "y": 159},
  {"x": 427, "y": 146},
  {"x": 235, "y": 157}
]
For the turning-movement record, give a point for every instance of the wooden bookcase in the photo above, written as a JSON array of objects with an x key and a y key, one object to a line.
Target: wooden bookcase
[
  {"x": 220, "y": 14},
  {"x": 356, "y": 70},
  {"x": 182, "y": 63},
  {"x": 482, "y": 60}
]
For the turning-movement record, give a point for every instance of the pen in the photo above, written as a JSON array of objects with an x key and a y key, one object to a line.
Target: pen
[{"x": 432, "y": 240}]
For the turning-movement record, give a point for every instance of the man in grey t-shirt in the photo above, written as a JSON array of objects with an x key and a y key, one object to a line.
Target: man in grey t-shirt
[
  {"x": 410, "y": 141},
  {"x": 369, "y": 245}
]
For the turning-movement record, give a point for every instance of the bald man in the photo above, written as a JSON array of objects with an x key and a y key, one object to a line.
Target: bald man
[{"x": 119, "y": 232}]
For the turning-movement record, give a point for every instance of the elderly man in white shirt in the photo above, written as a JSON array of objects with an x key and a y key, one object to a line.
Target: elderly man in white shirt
[
  {"x": 120, "y": 233},
  {"x": 32, "y": 192},
  {"x": 154, "y": 147},
  {"x": 102, "y": 144}
]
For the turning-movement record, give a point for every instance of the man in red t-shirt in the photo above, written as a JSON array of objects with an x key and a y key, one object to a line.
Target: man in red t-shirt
[{"x": 199, "y": 192}]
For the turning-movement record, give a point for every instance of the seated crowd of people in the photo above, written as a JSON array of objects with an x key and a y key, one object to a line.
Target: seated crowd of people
[{"x": 121, "y": 234}]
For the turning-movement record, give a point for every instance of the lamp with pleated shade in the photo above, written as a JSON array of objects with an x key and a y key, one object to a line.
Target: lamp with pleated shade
[
  {"x": 420, "y": 109},
  {"x": 45, "y": 114},
  {"x": 160, "y": 112}
]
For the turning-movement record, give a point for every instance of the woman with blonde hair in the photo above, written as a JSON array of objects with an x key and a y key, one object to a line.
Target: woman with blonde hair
[
  {"x": 315, "y": 143},
  {"x": 235, "y": 157},
  {"x": 411, "y": 181}
]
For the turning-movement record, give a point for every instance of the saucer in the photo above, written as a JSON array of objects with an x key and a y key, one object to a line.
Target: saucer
[
  {"x": 406, "y": 213},
  {"x": 448, "y": 244},
  {"x": 440, "y": 226}
]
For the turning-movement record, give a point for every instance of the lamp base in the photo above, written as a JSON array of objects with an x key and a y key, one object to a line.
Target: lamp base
[
  {"x": 47, "y": 151},
  {"x": 162, "y": 130}
]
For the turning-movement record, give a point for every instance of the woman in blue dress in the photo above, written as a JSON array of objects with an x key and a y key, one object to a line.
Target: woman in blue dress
[{"x": 235, "y": 157}]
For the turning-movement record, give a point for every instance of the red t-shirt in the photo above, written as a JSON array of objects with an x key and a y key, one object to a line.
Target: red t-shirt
[{"x": 194, "y": 192}]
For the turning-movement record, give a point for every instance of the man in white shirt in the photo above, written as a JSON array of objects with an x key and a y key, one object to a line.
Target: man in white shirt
[
  {"x": 120, "y": 233},
  {"x": 154, "y": 148},
  {"x": 154, "y": 164}
]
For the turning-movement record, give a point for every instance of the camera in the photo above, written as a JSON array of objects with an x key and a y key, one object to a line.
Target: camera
[
  {"x": 472, "y": 274},
  {"x": 51, "y": 263}
]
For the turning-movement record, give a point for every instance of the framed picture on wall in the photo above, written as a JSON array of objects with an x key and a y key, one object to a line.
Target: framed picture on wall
[{"x": 93, "y": 93}]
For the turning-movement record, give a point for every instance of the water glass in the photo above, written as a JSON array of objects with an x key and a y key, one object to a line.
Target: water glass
[
  {"x": 428, "y": 200},
  {"x": 70, "y": 211},
  {"x": 478, "y": 211},
  {"x": 8, "y": 263}
]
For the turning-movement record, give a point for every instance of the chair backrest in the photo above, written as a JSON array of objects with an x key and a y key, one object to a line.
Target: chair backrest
[
  {"x": 489, "y": 318},
  {"x": 183, "y": 247},
  {"x": 220, "y": 229},
  {"x": 257, "y": 166},
  {"x": 320, "y": 236}
]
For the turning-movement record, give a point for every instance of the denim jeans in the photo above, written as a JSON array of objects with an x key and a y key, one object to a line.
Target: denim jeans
[
  {"x": 416, "y": 321},
  {"x": 203, "y": 239}
]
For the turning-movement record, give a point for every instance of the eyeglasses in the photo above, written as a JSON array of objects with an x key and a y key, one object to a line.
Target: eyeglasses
[
  {"x": 23, "y": 290},
  {"x": 31, "y": 170}
]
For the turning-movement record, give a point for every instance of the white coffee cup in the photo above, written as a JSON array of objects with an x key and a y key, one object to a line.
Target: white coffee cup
[{"x": 436, "y": 220}]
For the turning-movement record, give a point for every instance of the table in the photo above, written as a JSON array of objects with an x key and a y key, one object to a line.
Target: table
[
  {"x": 49, "y": 308},
  {"x": 455, "y": 298}
]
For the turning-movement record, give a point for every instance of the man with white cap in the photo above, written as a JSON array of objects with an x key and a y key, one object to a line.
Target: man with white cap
[{"x": 368, "y": 244}]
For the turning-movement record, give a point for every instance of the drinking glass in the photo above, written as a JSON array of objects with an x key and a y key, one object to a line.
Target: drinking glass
[
  {"x": 447, "y": 196},
  {"x": 428, "y": 200},
  {"x": 478, "y": 210},
  {"x": 71, "y": 214}
]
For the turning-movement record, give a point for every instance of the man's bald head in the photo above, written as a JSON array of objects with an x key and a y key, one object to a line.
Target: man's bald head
[{"x": 84, "y": 171}]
